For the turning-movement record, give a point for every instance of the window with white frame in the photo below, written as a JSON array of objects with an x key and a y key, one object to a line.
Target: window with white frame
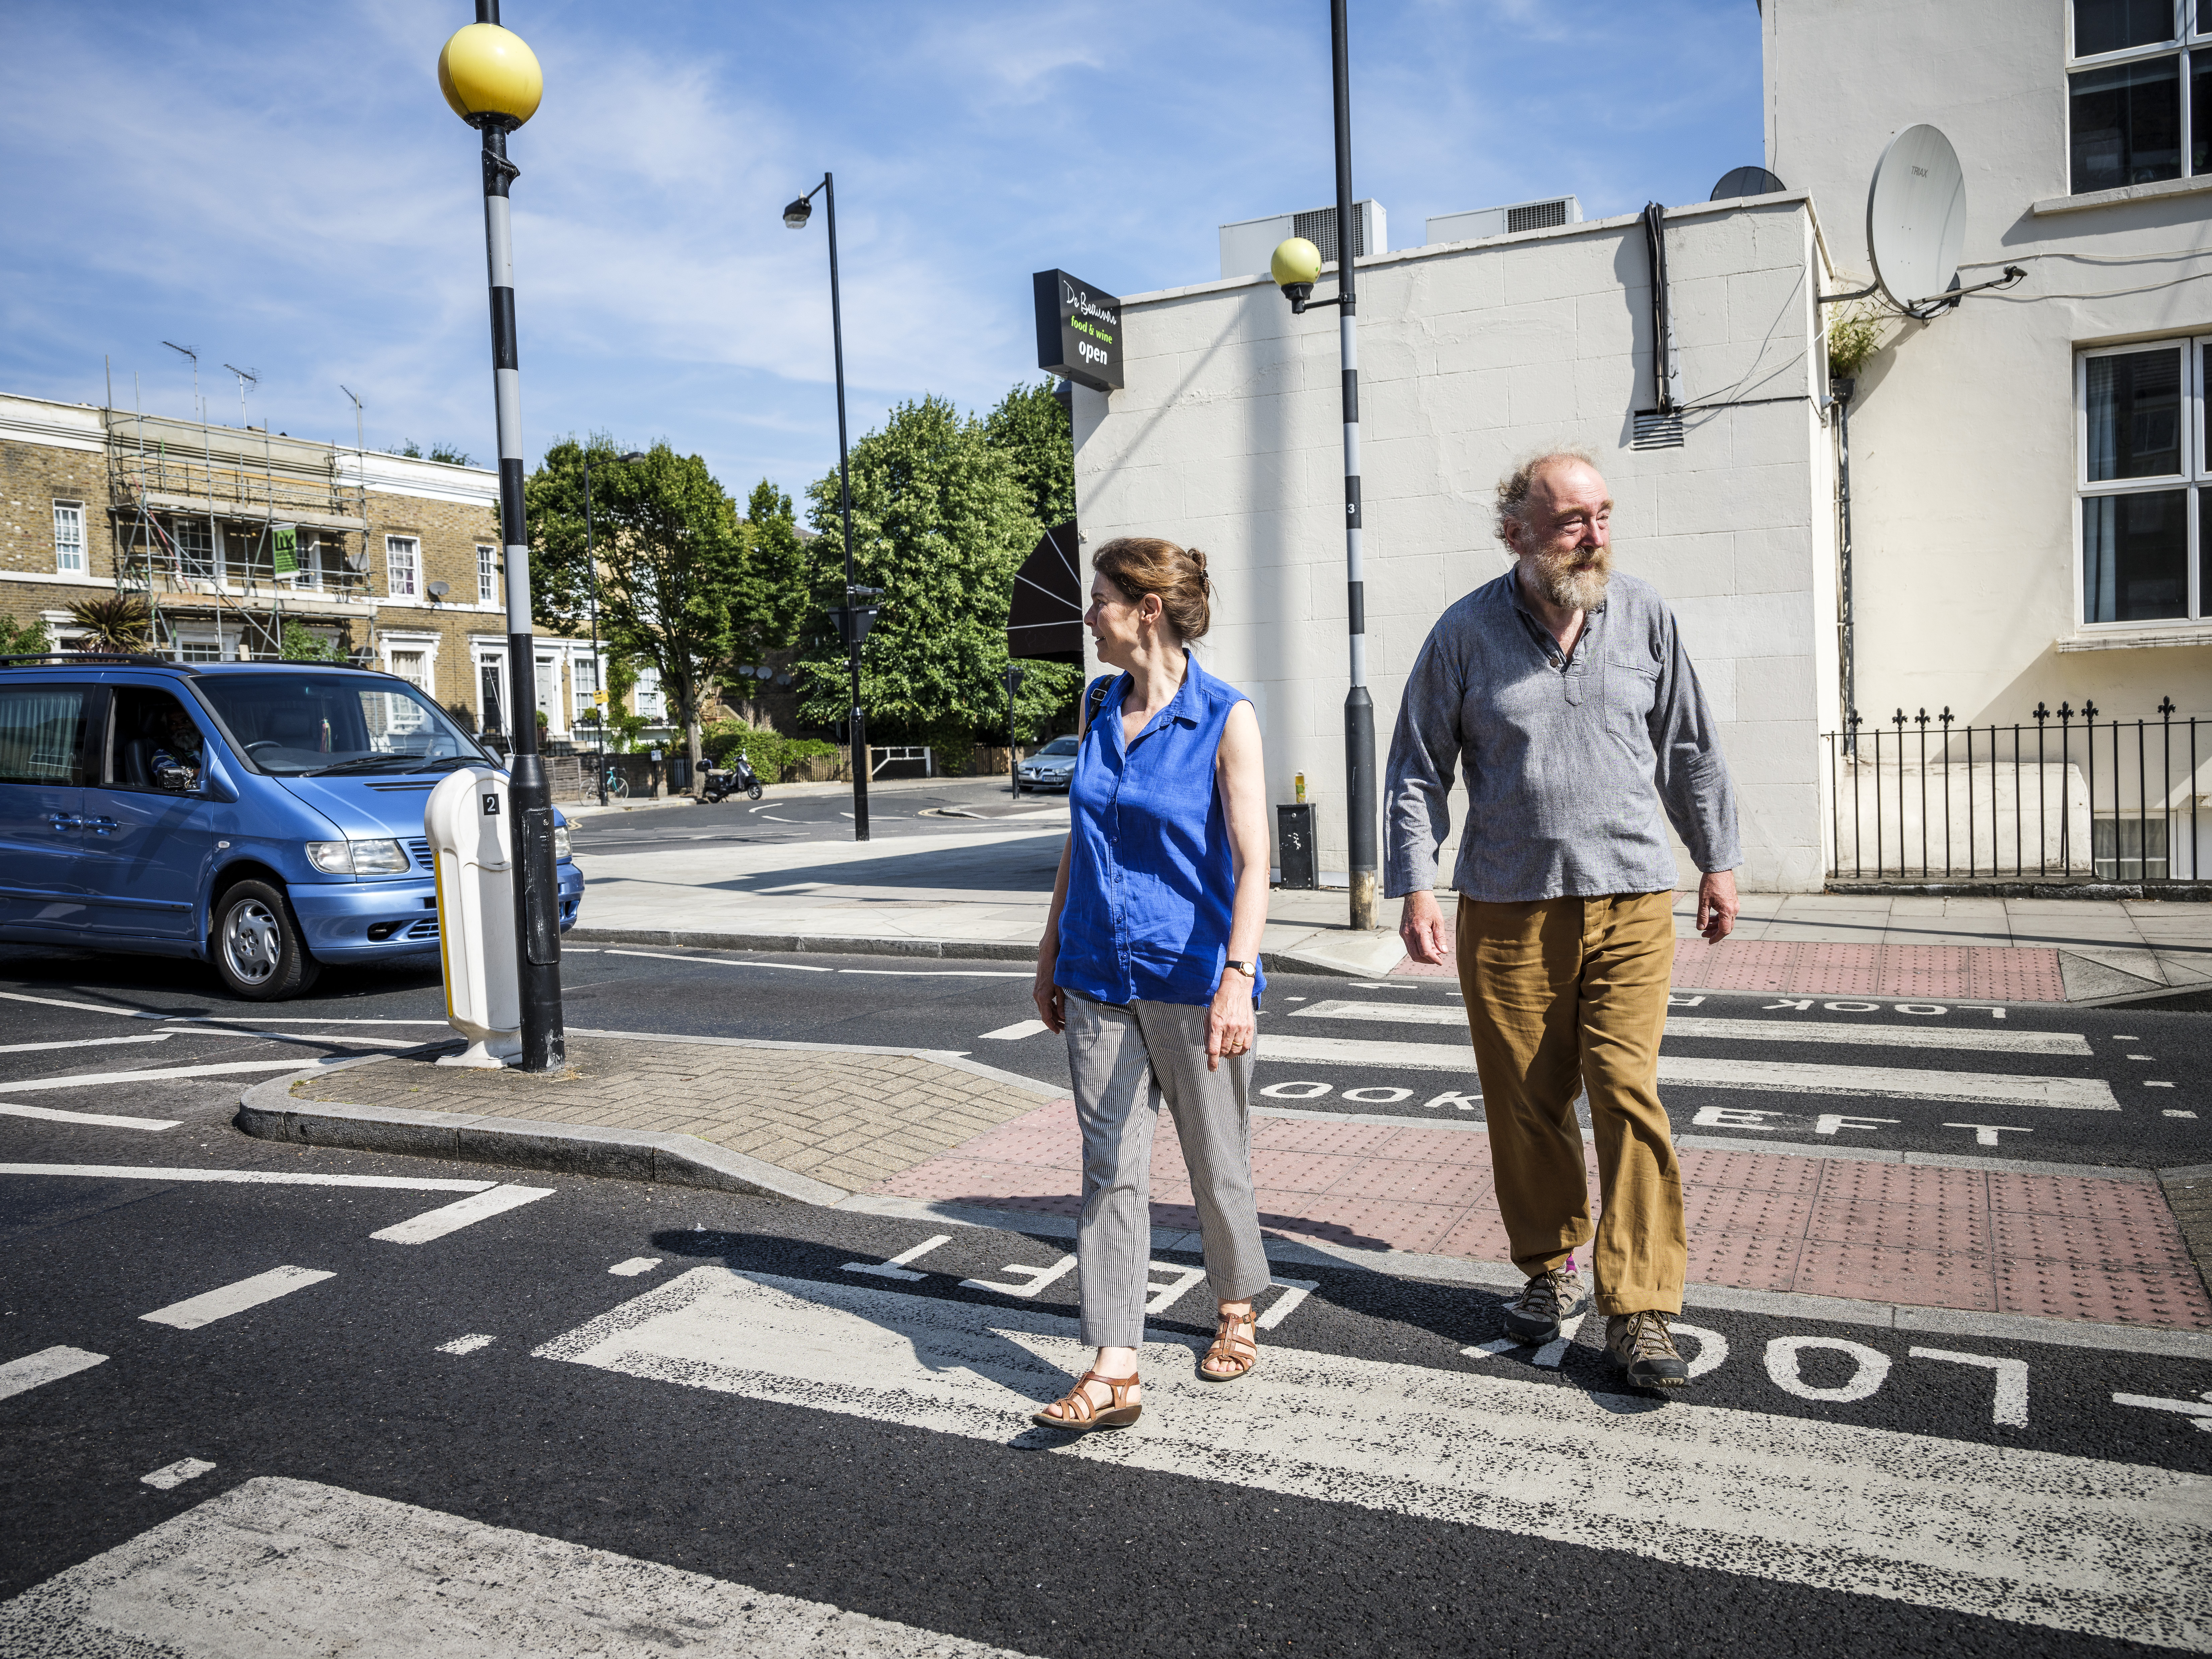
[
  {"x": 487, "y": 573},
  {"x": 652, "y": 701},
  {"x": 195, "y": 549},
  {"x": 308, "y": 571},
  {"x": 403, "y": 567},
  {"x": 2139, "y": 92},
  {"x": 68, "y": 538},
  {"x": 2145, "y": 472},
  {"x": 583, "y": 687}
]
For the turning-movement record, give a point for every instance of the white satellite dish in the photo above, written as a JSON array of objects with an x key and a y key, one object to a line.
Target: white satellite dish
[{"x": 1917, "y": 217}]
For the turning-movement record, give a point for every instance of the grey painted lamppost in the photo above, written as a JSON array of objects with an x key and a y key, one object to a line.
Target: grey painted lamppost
[
  {"x": 492, "y": 82},
  {"x": 599, "y": 692},
  {"x": 1296, "y": 267},
  {"x": 854, "y": 617}
]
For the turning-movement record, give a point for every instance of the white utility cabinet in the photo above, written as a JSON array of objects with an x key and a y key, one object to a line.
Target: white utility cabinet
[{"x": 471, "y": 847}]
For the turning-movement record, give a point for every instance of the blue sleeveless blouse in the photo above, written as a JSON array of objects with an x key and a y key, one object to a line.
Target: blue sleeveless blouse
[{"x": 1151, "y": 880}]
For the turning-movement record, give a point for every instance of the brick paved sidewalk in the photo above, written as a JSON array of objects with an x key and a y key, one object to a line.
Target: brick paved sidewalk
[{"x": 2084, "y": 1247}]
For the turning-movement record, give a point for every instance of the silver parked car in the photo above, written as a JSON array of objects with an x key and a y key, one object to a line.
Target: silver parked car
[{"x": 1050, "y": 767}]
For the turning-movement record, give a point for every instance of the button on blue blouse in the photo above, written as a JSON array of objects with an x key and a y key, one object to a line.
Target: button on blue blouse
[{"x": 1152, "y": 881}]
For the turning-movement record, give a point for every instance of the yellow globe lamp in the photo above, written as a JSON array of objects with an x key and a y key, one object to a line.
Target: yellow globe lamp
[
  {"x": 488, "y": 75},
  {"x": 1296, "y": 261}
]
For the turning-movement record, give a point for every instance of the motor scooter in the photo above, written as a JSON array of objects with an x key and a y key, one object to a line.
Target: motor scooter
[{"x": 721, "y": 785}]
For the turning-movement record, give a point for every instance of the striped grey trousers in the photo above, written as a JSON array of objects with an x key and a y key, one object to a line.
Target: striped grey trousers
[{"x": 1126, "y": 1060}]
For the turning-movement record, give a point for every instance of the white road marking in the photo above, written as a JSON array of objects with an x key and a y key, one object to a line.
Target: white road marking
[
  {"x": 169, "y": 1074},
  {"x": 291, "y": 1567},
  {"x": 942, "y": 973},
  {"x": 1496, "y": 1345},
  {"x": 1554, "y": 1352},
  {"x": 47, "y": 1365},
  {"x": 2157, "y": 1085},
  {"x": 270, "y": 1178},
  {"x": 1784, "y": 1363},
  {"x": 1038, "y": 1278},
  {"x": 175, "y": 1474},
  {"x": 1754, "y": 1030},
  {"x": 83, "y": 1042},
  {"x": 635, "y": 1266},
  {"x": 1829, "y": 1122},
  {"x": 465, "y": 1212},
  {"x": 205, "y": 1308},
  {"x": 1017, "y": 1032},
  {"x": 1761, "y": 1076},
  {"x": 2175, "y": 1111},
  {"x": 1181, "y": 1278},
  {"x": 93, "y": 1119},
  {"x": 1294, "y": 1290},
  {"x": 1985, "y": 1135},
  {"x": 468, "y": 1344},
  {"x": 723, "y": 962},
  {"x": 1997, "y": 1531},
  {"x": 1712, "y": 1346},
  {"x": 323, "y": 1038},
  {"x": 2200, "y": 1409},
  {"x": 202, "y": 1019},
  {"x": 83, "y": 1007},
  {"x": 895, "y": 1267},
  {"x": 2010, "y": 1405}
]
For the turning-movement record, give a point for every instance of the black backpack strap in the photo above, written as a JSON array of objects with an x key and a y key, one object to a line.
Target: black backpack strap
[{"x": 1095, "y": 699}]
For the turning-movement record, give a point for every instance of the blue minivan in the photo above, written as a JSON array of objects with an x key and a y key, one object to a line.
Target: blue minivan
[{"x": 264, "y": 817}]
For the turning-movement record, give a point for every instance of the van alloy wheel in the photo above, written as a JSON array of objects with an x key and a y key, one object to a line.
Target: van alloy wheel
[{"x": 251, "y": 945}]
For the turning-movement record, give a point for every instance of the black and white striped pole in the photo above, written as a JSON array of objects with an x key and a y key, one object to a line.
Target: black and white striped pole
[
  {"x": 1296, "y": 267},
  {"x": 493, "y": 81}
]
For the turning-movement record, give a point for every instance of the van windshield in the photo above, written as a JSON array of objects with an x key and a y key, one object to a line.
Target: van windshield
[{"x": 309, "y": 725}]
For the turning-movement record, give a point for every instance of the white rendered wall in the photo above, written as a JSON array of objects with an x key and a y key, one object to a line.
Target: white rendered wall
[
  {"x": 1966, "y": 526},
  {"x": 1227, "y": 435}
]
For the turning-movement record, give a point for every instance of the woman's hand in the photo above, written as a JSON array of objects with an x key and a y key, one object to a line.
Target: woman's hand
[
  {"x": 1229, "y": 1025},
  {"x": 1051, "y": 1004}
]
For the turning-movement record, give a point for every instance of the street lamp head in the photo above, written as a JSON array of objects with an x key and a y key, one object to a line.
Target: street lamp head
[
  {"x": 1296, "y": 267},
  {"x": 799, "y": 212},
  {"x": 634, "y": 455},
  {"x": 490, "y": 77}
]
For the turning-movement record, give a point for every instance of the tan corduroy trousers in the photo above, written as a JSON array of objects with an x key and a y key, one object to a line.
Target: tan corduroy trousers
[{"x": 1565, "y": 995}]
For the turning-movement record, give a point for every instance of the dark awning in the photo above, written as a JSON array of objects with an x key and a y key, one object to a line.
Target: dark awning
[{"x": 1046, "y": 619}]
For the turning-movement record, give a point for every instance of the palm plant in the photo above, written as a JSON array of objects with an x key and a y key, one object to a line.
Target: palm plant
[{"x": 115, "y": 622}]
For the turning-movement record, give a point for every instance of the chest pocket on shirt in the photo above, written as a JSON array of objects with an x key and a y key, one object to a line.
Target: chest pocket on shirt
[{"x": 1631, "y": 686}]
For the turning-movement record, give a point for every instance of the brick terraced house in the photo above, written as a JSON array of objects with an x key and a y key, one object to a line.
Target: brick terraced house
[{"x": 232, "y": 535}]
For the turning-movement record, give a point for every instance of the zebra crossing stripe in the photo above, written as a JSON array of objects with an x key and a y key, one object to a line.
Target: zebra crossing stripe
[
  {"x": 2029, "y": 1537},
  {"x": 1760, "y": 1076}
]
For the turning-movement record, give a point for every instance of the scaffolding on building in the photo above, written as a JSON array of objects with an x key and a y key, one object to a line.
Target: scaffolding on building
[{"x": 199, "y": 513}]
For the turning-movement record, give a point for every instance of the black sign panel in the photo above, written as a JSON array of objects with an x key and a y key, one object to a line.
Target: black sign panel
[{"x": 1079, "y": 331}]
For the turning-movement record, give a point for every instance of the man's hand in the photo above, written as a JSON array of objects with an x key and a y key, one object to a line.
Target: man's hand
[
  {"x": 1051, "y": 1001},
  {"x": 1716, "y": 905},
  {"x": 1421, "y": 925}
]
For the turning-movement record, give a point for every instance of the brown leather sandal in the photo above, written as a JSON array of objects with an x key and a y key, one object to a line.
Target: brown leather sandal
[
  {"x": 1082, "y": 1414},
  {"x": 1242, "y": 1351}
]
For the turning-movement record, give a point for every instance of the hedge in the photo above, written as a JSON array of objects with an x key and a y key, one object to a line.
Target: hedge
[{"x": 771, "y": 752}]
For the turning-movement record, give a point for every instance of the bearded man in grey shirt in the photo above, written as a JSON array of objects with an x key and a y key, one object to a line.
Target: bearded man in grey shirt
[{"x": 1564, "y": 692}]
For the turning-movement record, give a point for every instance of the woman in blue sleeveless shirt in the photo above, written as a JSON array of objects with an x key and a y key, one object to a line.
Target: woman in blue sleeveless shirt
[{"x": 1150, "y": 963}]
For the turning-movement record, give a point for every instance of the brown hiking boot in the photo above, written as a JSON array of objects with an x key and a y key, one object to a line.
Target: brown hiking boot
[{"x": 1642, "y": 1345}]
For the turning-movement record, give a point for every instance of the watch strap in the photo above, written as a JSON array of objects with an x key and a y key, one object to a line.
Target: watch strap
[{"x": 1250, "y": 970}]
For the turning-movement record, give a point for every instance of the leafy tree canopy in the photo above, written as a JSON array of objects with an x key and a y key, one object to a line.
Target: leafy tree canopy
[
  {"x": 1030, "y": 427},
  {"x": 773, "y": 598},
  {"x": 941, "y": 521},
  {"x": 671, "y": 558}
]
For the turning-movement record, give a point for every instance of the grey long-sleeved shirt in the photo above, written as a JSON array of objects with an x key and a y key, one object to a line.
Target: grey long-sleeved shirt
[{"x": 1567, "y": 762}]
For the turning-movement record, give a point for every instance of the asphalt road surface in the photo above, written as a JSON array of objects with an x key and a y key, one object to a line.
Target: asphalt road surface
[
  {"x": 395, "y": 1405},
  {"x": 901, "y": 808}
]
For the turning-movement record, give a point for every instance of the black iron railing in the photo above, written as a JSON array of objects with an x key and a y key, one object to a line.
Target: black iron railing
[{"x": 2066, "y": 795}]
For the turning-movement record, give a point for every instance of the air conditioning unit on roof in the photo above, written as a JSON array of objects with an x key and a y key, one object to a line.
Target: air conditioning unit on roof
[
  {"x": 1247, "y": 244},
  {"x": 1508, "y": 220}
]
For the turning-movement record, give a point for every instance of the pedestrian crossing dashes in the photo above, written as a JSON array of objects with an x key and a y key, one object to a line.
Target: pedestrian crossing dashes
[{"x": 1750, "y": 1031}]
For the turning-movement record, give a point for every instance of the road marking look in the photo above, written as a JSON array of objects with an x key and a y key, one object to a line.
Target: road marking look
[
  {"x": 269, "y": 1177},
  {"x": 635, "y": 1266},
  {"x": 169, "y": 1074},
  {"x": 1016, "y": 1032},
  {"x": 82, "y": 1042},
  {"x": 47, "y": 1365},
  {"x": 1753, "y": 1031},
  {"x": 467, "y": 1212},
  {"x": 93, "y": 1120},
  {"x": 468, "y": 1344},
  {"x": 205, "y": 1308},
  {"x": 170, "y": 1475}
]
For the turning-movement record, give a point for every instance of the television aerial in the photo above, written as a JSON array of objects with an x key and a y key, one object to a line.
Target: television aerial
[{"x": 1916, "y": 227}]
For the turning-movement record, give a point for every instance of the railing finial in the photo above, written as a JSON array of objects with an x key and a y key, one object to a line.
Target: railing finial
[
  {"x": 2088, "y": 709},
  {"x": 2041, "y": 712},
  {"x": 1921, "y": 718},
  {"x": 2065, "y": 712},
  {"x": 2166, "y": 707}
]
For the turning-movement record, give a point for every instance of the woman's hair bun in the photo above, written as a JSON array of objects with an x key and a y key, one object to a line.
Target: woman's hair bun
[{"x": 1138, "y": 565}]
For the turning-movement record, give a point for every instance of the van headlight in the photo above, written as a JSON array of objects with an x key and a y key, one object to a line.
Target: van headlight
[
  {"x": 359, "y": 858},
  {"x": 561, "y": 843}
]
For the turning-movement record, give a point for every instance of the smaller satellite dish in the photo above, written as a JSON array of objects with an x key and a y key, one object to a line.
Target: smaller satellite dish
[
  {"x": 1917, "y": 217},
  {"x": 1746, "y": 181},
  {"x": 356, "y": 558},
  {"x": 439, "y": 590}
]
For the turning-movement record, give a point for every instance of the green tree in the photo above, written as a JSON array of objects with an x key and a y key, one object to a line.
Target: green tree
[
  {"x": 773, "y": 598},
  {"x": 299, "y": 645},
  {"x": 23, "y": 639},
  {"x": 941, "y": 521},
  {"x": 670, "y": 556},
  {"x": 1030, "y": 427}
]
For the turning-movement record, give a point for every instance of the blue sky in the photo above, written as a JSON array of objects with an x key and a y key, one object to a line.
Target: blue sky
[{"x": 281, "y": 186}]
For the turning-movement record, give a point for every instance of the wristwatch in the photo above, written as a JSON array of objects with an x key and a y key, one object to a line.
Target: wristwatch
[{"x": 1250, "y": 970}]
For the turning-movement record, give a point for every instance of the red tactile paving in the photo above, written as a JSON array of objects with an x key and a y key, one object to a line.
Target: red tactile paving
[
  {"x": 2067, "y": 1246},
  {"x": 1975, "y": 973}
]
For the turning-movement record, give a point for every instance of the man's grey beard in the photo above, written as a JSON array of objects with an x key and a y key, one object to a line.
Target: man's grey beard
[{"x": 1557, "y": 580}]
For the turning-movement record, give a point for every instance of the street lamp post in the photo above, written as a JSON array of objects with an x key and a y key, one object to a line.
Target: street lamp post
[
  {"x": 493, "y": 81},
  {"x": 853, "y": 619},
  {"x": 1295, "y": 266},
  {"x": 603, "y": 702}
]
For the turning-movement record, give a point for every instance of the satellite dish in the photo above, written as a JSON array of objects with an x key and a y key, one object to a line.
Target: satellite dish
[
  {"x": 1917, "y": 217},
  {"x": 439, "y": 590},
  {"x": 356, "y": 558},
  {"x": 1746, "y": 181}
]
